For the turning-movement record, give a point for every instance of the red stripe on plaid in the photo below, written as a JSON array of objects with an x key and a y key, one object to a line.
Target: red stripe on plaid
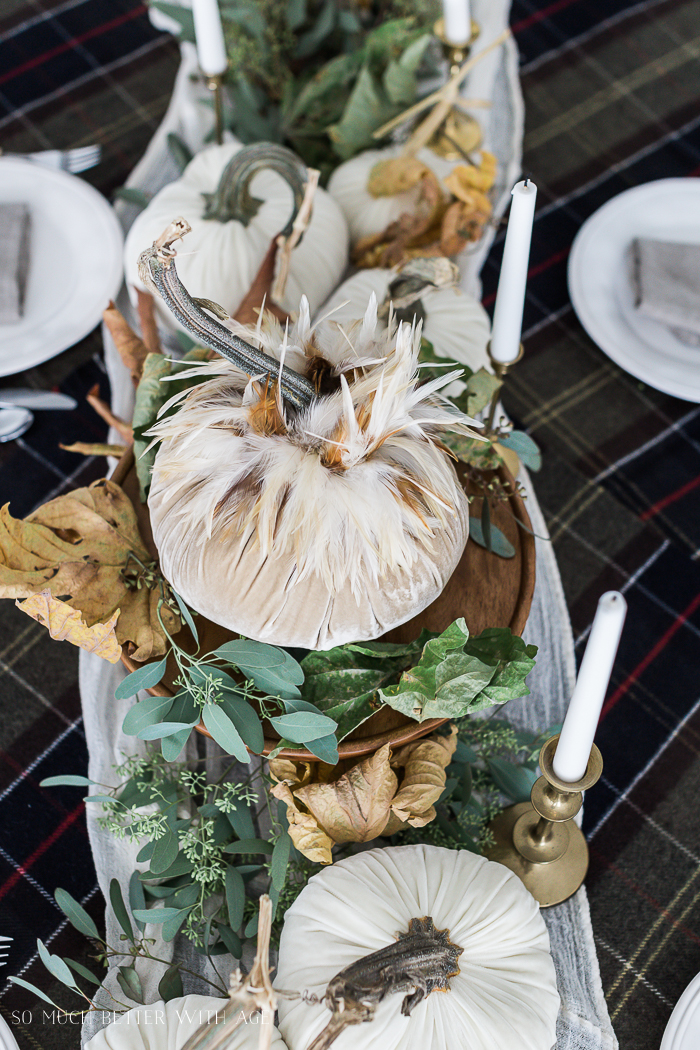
[
  {"x": 40, "y": 850},
  {"x": 538, "y": 16},
  {"x": 651, "y": 655},
  {"x": 671, "y": 498},
  {"x": 67, "y": 45}
]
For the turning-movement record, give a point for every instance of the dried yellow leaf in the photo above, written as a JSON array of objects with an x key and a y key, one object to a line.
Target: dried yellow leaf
[
  {"x": 395, "y": 175},
  {"x": 66, "y": 624},
  {"x": 304, "y": 831},
  {"x": 423, "y": 782},
  {"x": 76, "y": 547}
]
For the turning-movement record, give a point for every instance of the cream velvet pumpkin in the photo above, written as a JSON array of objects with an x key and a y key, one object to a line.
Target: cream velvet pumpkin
[
  {"x": 505, "y": 995},
  {"x": 455, "y": 323},
  {"x": 365, "y": 214},
  {"x": 312, "y": 528},
  {"x": 168, "y": 1026},
  {"x": 223, "y": 257}
]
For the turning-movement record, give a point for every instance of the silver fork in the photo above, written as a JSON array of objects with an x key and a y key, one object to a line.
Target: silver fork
[
  {"x": 72, "y": 160},
  {"x": 4, "y": 954}
]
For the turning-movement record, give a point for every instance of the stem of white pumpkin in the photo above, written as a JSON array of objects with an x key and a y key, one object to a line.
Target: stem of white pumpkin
[
  {"x": 157, "y": 270},
  {"x": 232, "y": 198}
]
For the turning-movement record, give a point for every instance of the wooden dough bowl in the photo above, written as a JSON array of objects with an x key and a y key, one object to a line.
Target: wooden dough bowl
[{"x": 488, "y": 591}]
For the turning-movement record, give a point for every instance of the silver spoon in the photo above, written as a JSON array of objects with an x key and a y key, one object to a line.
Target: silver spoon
[{"x": 14, "y": 421}]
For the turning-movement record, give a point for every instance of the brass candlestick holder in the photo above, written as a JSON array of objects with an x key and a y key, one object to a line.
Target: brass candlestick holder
[
  {"x": 501, "y": 370},
  {"x": 215, "y": 84},
  {"x": 459, "y": 133},
  {"x": 538, "y": 840}
]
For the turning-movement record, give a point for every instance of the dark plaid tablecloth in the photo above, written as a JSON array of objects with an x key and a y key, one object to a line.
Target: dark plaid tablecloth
[{"x": 612, "y": 94}]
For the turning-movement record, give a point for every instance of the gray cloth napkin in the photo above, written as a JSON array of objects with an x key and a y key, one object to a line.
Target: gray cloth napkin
[
  {"x": 14, "y": 260},
  {"x": 666, "y": 279}
]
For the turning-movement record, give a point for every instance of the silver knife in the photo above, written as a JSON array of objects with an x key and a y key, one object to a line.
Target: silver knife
[{"x": 25, "y": 397}]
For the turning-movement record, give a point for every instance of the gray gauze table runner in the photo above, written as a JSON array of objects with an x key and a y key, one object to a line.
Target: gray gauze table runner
[{"x": 583, "y": 1019}]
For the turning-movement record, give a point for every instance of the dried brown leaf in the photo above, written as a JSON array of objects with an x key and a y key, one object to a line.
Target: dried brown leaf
[
  {"x": 76, "y": 546},
  {"x": 95, "y": 448},
  {"x": 131, "y": 349},
  {"x": 395, "y": 175},
  {"x": 304, "y": 830},
  {"x": 105, "y": 412},
  {"x": 423, "y": 780},
  {"x": 66, "y": 624}
]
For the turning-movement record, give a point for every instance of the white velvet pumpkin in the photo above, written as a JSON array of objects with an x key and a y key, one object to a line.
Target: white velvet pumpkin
[
  {"x": 455, "y": 323},
  {"x": 505, "y": 995},
  {"x": 315, "y": 528},
  {"x": 168, "y": 1026},
  {"x": 222, "y": 258},
  {"x": 365, "y": 214}
]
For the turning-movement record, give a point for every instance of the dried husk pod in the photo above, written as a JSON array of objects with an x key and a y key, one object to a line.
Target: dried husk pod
[{"x": 316, "y": 526}]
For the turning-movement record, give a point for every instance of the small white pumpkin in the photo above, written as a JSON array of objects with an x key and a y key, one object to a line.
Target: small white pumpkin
[
  {"x": 504, "y": 996},
  {"x": 365, "y": 214},
  {"x": 254, "y": 201},
  {"x": 168, "y": 1026},
  {"x": 455, "y": 323},
  {"x": 316, "y": 527}
]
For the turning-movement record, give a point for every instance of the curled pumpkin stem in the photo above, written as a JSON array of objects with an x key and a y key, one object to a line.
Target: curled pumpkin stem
[{"x": 157, "y": 271}]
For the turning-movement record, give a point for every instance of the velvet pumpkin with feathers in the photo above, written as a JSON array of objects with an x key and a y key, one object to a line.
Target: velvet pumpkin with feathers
[{"x": 317, "y": 527}]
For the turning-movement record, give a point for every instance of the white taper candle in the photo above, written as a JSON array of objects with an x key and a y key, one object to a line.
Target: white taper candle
[
  {"x": 211, "y": 48},
  {"x": 578, "y": 731},
  {"x": 458, "y": 21},
  {"x": 510, "y": 297}
]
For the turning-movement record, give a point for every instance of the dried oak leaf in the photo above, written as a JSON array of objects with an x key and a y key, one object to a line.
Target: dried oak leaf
[
  {"x": 369, "y": 799},
  {"x": 132, "y": 350},
  {"x": 76, "y": 547},
  {"x": 66, "y": 624}
]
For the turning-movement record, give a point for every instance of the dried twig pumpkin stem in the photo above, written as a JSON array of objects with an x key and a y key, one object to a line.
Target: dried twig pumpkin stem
[
  {"x": 247, "y": 996},
  {"x": 157, "y": 270}
]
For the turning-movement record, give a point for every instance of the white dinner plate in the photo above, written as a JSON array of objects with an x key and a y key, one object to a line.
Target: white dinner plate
[
  {"x": 74, "y": 262},
  {"x": 683, "y": 1029},
  {"x": 601, "y": 288}
]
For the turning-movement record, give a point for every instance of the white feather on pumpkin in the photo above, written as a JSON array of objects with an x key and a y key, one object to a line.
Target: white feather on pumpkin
[{"x": 353, "y": 490}]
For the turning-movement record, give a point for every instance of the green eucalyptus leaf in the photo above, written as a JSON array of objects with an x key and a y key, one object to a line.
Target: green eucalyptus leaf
[
  {"x": 179, "y": 151},
  {"x": 171, "y": 746},
  {"x": 83, "y": 972},
  {"x": 55, "y": 965},
  {"x": 76, "y": 914},
  {"x": 165, "y": 852},
  {"x": 524, "y": 447},
  {"x": 296, "y": 13},
  {"x": 249, "y": 846},
  {"x": 182, "y": 15},
  {"x": 131, "y": 195},
  {"x": 172, "y": 926},
  {"x": 119, "y": 908},
  {"x": 224, "y": 732},
  {"x": 309, "y": 42},
  {"x": 280, "y": 860},
  {"x": 235, "y": 897},
  {"x": 142, "y": 678},
  {"x": 155, "y": 916},
  {"x": 246, "y": 720},
  {"x": 147, "y": 712},
  {"x": 130, "y": 983},
  {"x": 186, "y": 615},
  {"x": 325, "y": 748},
  {"x": 241, "y": 821},
  {"x": 33, "y": 988},
  {"x": 165, "y": 729},
  {"x": 499, "y": 544},
  {"x": 514, "y": 781},
  {"x": 137, "y": 898},
  {"x": 170, "y": 984},
  {"x": 231, "y": 940},
  {"x": 486, "y": 524},
  {"x": 66, "y": 780},
  {"x": 300, "y": 726}
]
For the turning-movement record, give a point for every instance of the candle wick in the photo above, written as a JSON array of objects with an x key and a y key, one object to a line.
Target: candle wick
[{"x": 527, "y": 180}]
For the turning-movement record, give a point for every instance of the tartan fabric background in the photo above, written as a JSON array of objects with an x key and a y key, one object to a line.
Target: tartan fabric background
[{"x": 611, "y": 92}]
